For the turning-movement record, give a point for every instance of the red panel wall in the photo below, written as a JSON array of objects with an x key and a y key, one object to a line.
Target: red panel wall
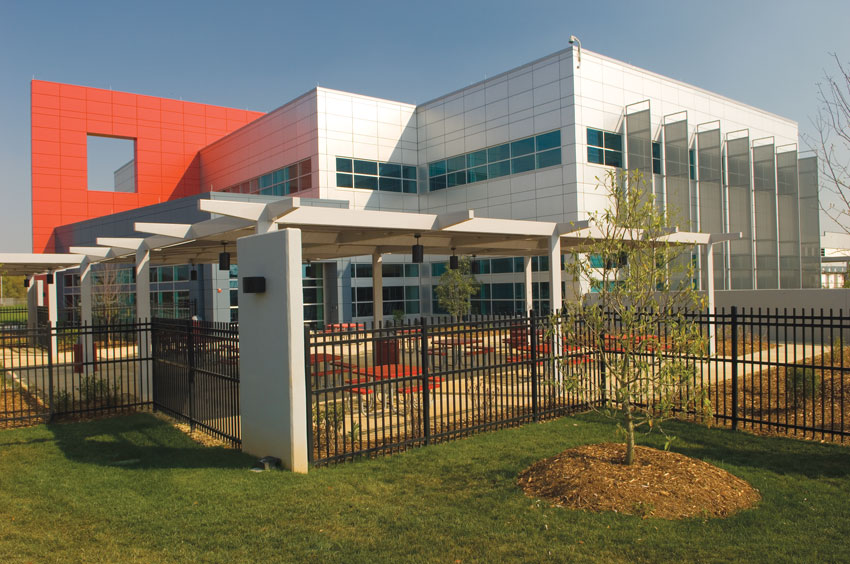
[{"x": 168, "y": 135}]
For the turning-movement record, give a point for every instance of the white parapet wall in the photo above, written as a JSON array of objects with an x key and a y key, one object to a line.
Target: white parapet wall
[{"x": 272, "y": 391}]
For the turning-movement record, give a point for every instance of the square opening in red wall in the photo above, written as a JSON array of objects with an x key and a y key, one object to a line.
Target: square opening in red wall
[{"x": 111, "y": 163}]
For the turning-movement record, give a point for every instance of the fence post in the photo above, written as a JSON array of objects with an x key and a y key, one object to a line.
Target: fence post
[
  {"x": 426, "y": 392},
  {"x": 50, "y": 360},
  {"x": 308, "y": 386},
  {"x": 190, "y": 351},
  {"x": 155, "y": 351},
  {"x": 734, "y": 368},
  {"x": 532, "y": 327}
]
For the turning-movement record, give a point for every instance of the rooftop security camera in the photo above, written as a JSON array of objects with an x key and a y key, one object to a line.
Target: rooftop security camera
[{"x": 574, "y": 39}]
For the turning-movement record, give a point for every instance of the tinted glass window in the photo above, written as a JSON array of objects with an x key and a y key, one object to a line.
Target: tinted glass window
[
  {"x": 389, "y": 169},
  {"x": 344, "y": 181},
  {"x": 549, "y": 158},
  {"x": 390, "y": 184},
  {"x": 476, "y": 159},
  {"x": 366, "y": 167},
  {"x": 522, "y": 147},
  {"x": 522, "y": 164},
  {"x": 437, "y": 168},
  {"x": 498, "y": 153},
  {"x": 366, "y": 182},
  {"x": 549, "y": 140}
]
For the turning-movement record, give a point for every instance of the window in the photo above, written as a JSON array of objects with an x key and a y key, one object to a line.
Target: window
[
  {"x": 396, "y": 298},
  {"x": 656, "y": 158},
  {"x": 604, "y": 147},
  {"x": 290, "y": 179},
  {"x": 111, "y": 164},
  {"x": 374, "y": 175},
  {"x": 519, "y": 156}
]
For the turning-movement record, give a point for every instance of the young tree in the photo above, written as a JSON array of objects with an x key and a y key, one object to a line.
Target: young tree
[
  {"x": 831, "y": 142},
  {"x": 637, "y": 317},
  {"x": 456, "y": 287}
]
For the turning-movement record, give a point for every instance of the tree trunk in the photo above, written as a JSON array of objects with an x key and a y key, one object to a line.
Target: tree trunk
[{"x": 630, "y": 433}]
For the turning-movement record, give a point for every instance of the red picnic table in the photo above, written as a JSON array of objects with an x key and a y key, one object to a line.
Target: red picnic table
[{"x": 389, "y": 374}]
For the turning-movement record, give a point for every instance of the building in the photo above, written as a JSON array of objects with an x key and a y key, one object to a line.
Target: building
[{"x": 530, "y": 143}]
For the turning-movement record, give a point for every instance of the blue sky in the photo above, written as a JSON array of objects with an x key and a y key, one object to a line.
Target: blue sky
[{"x": 259, "y": 55}]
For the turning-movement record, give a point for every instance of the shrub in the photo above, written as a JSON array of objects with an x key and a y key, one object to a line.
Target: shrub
[
  {"x": 801, "y": 384},
  {"x": 94, "y": 389}
]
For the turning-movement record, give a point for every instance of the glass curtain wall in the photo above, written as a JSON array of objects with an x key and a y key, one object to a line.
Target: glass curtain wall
[
  {"x": 789, "y": 219},
  {"x": 711, "y": 216},
  {"x": 764, "y": 191},
  {"x": 809, "y": 222},
  {"x": 740, "y": 213}
]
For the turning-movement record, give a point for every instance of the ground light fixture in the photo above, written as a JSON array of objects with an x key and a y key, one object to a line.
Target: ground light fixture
[
  {"x": 224, "y": 258},
  {"x": 453, "y": 261},
  {"x": 418, "y": 251}
]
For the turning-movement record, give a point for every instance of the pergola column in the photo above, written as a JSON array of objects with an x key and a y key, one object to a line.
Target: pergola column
[
  {"x": 53, "y": 314},
  {"x": 377, "y": 287},
  {"x": 555, "y": 296},
  {"x": 86, "y": 308},
  {"x": 143, "y": 284},
  {"x": 32, "y": 303},
  {"x": 272, "y": 389},
  {"x": 529, "y": 296}
]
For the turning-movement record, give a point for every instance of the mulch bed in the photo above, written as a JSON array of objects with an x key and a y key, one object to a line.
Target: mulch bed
[{"x": 659, "y": 484}]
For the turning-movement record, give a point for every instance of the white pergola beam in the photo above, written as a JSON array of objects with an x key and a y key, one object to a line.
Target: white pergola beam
[
  {"x": 129, "y": 244},
  {"x": 176, "y": 230}
]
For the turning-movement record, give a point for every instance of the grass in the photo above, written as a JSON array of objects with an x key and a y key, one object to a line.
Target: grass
[{"x": 135, "y": 489}]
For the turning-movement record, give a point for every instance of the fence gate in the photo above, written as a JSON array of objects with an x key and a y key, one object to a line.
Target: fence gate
[{"x": 196, "y": 374}]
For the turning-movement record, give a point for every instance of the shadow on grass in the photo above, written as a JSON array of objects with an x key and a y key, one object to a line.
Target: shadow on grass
[{"x": 139, "y": 441}]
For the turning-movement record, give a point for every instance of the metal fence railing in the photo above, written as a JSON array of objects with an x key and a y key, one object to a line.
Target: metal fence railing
[
  {"x": 196, "y": 375},
  {"x": 382, "y": 389},
  {"x": 12, "y": 317},
  {"x": 51, "y": 372},
  {"x": 386, "y": 388}
]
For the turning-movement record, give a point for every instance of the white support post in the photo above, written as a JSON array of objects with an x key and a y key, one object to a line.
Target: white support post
[
  {"x": 377, "y": 287},
  {"x": 709, "y": 261},
  {"x": 86, "y": 308},
  {"x": 143, "y": 284},
  {"x": 272, "y": 388},
  {"x": 529, "y": 296},
  {"x": 555, "y": 295},
  {"x": 556, "y": 303},
  {"x": 143, "y": 314},
  {"x": 32, "y": 303},
  {"x": 53, "y": 315}
]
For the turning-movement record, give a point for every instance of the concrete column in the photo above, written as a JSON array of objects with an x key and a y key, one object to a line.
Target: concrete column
[
  {"x": 86, "y": 307},
  {"x": 53, "y": 315},
  {"x": 272, "y": 390},
  {"x": 529, "y": 296},
  {"x": 377, "y": 287},
  {"x": 32, "y": 303},
  {"x": 709, "y": 261},
  {"x": 555, "y": 297},
  {"x": 143, "y": 284}
]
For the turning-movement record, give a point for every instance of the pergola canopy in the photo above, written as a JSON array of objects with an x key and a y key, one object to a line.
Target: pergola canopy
[{"x": 332, "y": 232}]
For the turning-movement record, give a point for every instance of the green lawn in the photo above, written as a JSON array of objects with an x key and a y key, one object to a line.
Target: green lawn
[{"x": 133, "y": 489}]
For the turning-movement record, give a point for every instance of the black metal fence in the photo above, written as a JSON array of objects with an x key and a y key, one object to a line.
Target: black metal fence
[
  {"x": 51, "y": 372},
  {"x": 13, "y": 317},
  {"x": 387, "y": 388},
  {"x": 196, "y": 375},
  {"x": 382, "y": 389}
]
